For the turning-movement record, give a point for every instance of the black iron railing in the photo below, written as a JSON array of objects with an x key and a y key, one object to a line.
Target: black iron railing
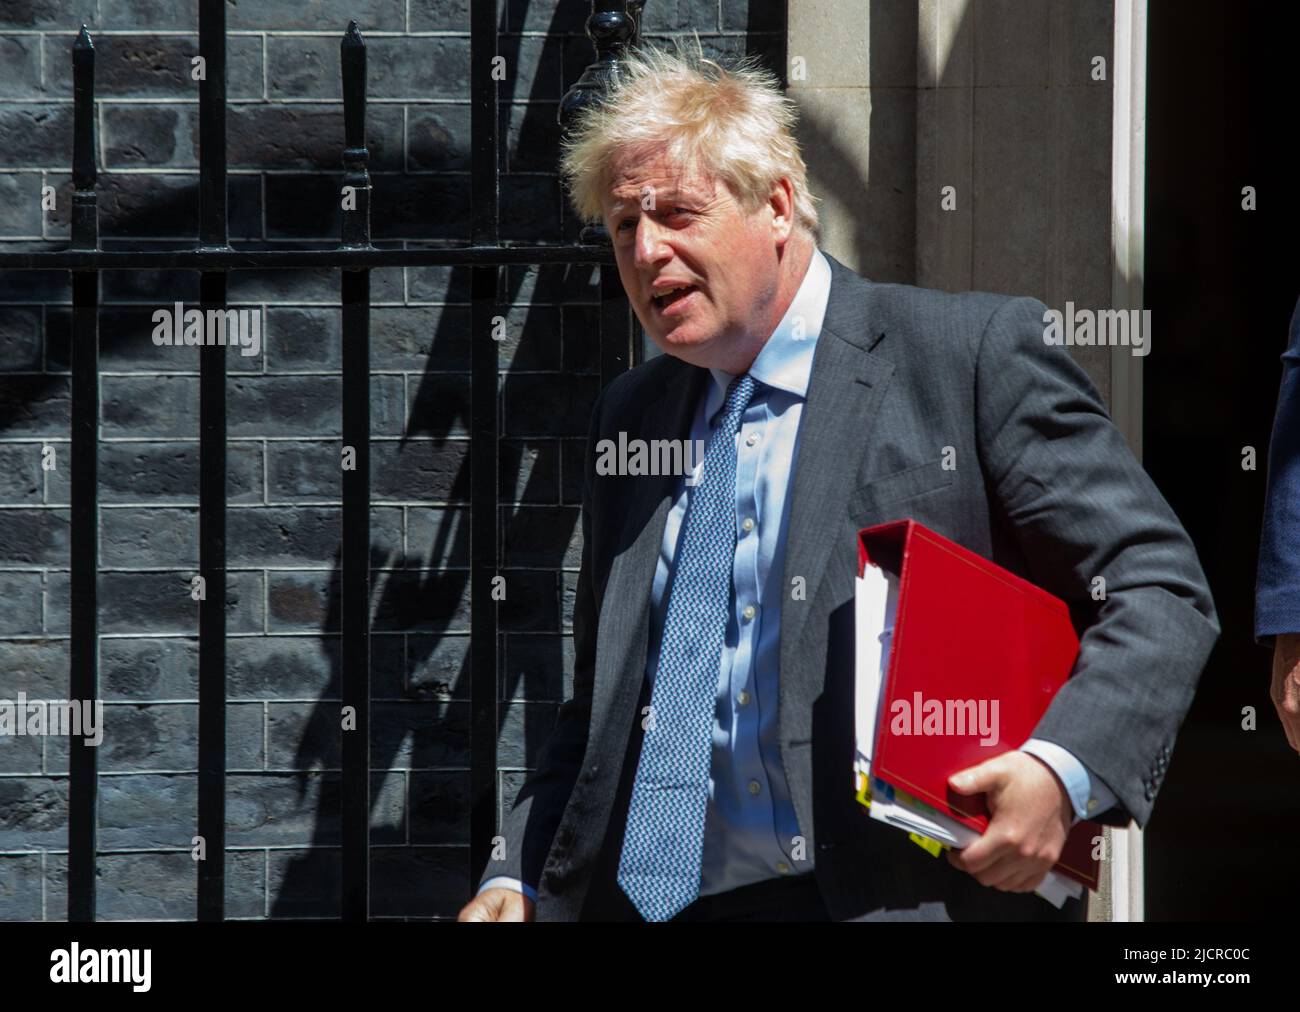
[{"x": 613, "y": 26}]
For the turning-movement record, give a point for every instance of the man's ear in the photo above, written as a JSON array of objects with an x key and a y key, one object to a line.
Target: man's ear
[{"x": 781, "y": 201}]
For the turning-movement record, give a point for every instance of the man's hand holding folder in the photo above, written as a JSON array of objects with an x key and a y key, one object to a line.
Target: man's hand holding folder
[{"x": 1032, "y": 816}]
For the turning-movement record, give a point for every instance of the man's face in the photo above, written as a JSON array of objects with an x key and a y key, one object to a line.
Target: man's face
[{"x": 671, "y": 231}]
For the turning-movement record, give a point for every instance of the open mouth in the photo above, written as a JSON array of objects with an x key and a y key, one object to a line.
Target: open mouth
[{"x": 671, "y": 298}]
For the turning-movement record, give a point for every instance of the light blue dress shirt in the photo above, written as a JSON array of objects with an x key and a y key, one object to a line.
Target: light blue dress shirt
[{"x": 750, "y": 827}]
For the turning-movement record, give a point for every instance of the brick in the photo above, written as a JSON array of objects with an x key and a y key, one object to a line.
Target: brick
[
  {"x": 312, "y": 285},
  {"x": 20, "y": 754},
  {"x": 137, "y": 136},
  {"x": 532, "y": 602},
  {"x": 305, "y": 136},
  {"x": 21, "y": 593},
  {"x": 530, "y": 207},
  {"x": 158, "y": 15},
  {"x": 20, "y": 338},
  {"x": 681, "y": 16},
  {"x": 529, "y": 470},
  {"x": 543, "y": 536},
  {"x": 308, "y": 406},
  {"x": 24, "y": 286},
  {"x": 438, "y": 667},
  {"x": 145, "y": 886},
  {"x": 20, "y": 213},
  {"x": 291, "y": 809},
  {"x": 565, "y": 285},
  {"x": 573, "y": 453},
  {"x": 538, "y": 666},
  {"x": 148, "y": 811},
  {"x": 37, "y": 667},
  {"x": 21, "y": 479},
  {"x": 420, "y": 469},
  {"x": 756, "y": 16},
  {"x": 531, "y": 339},
  {"x": 440, "y": 403},
  {"x": 420, "y": 339},
  {"x": 438, "y": 284},
  {"x": 33, "y": 812},
  {"x": 300, "y": 536},
  {"x": 141, "y": 603},
  {"x": 163, "y": 473},
  {"x": 21, "y": 887},
  {"x": 149, "y": 537},
  {"x": 532, "y": 136},
  {"x": 581, "y": 339},
  {"x": 525, "y": 727},
  {"x": 34, "y": 406},
  {"x": 305, "y": 883},
  {"x": 301, "y": 602},
  {"x": 419, "y": 735},
  {"x": 126, "y": 338},
  {"x": 440, "y": 15},
  {"x": 440, "y": 804},
  {"x": 437, "y": 538},
  {"x": 550, "y": 16},
  {"x": 548, "y": 405},
  {"x": 30, "y": 537},
  {"x": 63, "y": 16},
  {"x": 438, "y": 137},
  {"x": 164, "y": 407},
  {"x": 146, "y": 286},
  {"x": 142, "y": 669},
  {"x": 281, "y": 15},
  {"x": 422, "y": 601},
  {"x": 35, "y": 134},
  {"x": 306, "y": 338},
  {"x": 21, "y": 57},
  {"x": 419, "y": 881},
  {"x": 305, "y": 470},
  {"x": 164, "y": 736}
]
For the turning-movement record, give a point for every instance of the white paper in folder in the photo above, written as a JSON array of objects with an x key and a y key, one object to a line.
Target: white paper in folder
[{"x": 875, "y": 602}]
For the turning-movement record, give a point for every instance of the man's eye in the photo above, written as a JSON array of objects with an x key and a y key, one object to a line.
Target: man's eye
[{"x": 625, "y": 222}]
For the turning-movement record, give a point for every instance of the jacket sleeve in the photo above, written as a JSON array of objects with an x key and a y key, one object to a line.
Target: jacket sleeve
[
  {"x": 529, "y": 828},
  {"x": 1081, "y": 507},
  {"x": 1277, "y": 590}
]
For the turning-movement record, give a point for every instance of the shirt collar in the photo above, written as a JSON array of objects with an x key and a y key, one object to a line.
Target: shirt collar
[{"x": 785, "y": 360}]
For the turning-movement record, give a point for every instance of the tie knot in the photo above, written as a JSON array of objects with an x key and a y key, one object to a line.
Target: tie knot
[{"x": 738, "y": 394}]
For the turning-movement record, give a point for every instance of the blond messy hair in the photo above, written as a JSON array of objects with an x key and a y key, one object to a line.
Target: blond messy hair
[{"x": 733, "y": 123}]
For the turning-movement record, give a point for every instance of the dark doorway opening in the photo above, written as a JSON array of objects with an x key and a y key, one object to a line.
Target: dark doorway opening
[{"x": 1221, "y": 283}]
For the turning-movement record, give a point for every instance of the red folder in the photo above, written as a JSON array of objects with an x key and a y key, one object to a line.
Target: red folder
[{"x": 975, "y": 649}]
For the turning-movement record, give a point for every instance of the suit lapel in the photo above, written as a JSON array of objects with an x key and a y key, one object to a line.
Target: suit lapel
[
  {"x": 845, "y": 392},
  {"x": 667, "y": 414}
]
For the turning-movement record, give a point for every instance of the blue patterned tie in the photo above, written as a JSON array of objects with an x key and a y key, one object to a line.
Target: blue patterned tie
[{"x": 659, "y": 867}]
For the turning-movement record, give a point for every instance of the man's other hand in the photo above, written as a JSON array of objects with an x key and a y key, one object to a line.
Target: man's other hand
[
  {"x": 1286, "y": 685},
  {"x": 498, "y": 905},
  {"x": 1030, "y": 819}
]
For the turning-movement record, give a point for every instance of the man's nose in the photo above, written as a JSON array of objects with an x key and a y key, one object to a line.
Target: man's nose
[{"x": 651, "y": 248}]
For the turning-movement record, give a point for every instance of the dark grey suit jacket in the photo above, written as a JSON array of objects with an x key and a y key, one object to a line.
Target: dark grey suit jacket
[{"x": 1044, "y": 484}]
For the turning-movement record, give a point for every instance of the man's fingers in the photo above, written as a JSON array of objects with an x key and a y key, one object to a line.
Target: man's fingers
[
  {"x": 498, "y": 905},
  {"x": 977, "y": 779}
]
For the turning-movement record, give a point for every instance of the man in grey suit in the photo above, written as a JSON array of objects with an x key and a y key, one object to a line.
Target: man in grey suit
[{"x": 703, "y": 768}]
